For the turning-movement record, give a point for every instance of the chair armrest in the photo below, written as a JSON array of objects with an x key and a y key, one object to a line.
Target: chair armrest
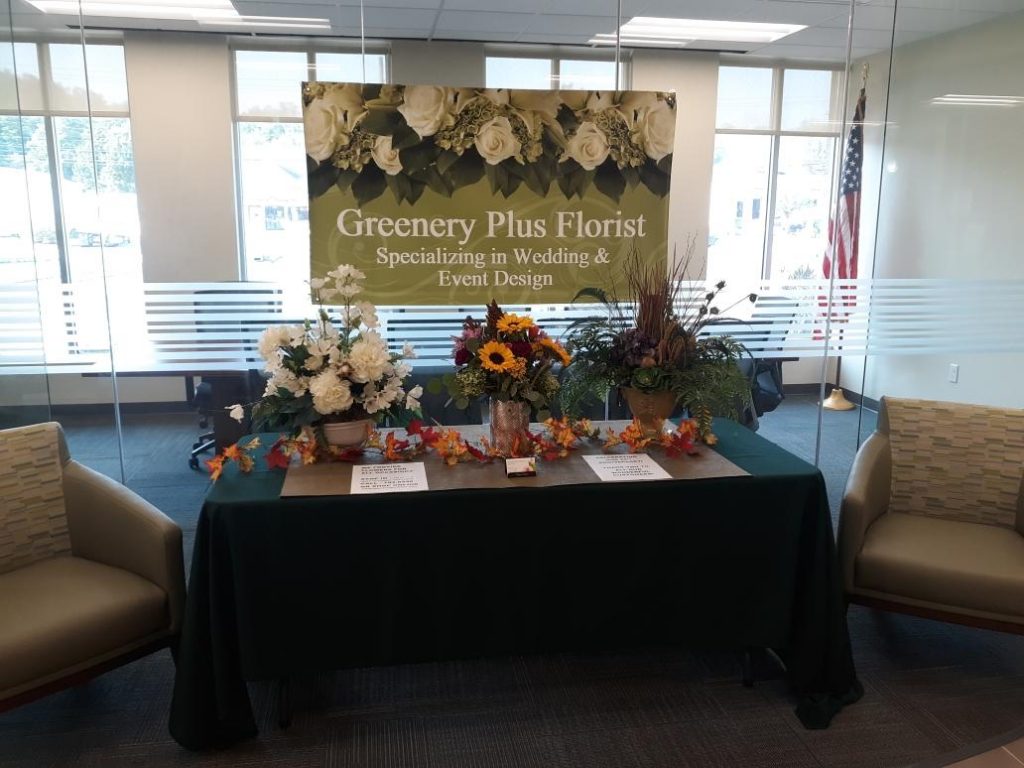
[
  {"x": 865, "y": 499},
  {"x": 110, "y": 524}
]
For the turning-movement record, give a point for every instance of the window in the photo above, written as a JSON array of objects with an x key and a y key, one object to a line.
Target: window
[
  {"x": 66, "y": 164},
  {"x": 774, "y": 159},
  {"x": 546, "y": 73},
  {"x": 271, "y": 177}
]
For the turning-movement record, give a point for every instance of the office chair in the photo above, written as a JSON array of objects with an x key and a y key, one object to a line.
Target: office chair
[{"x": 202, "y": 399}]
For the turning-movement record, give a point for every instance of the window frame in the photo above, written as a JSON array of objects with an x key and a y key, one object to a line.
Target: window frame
[
  {"x": 557, "y": 54},
  {"x": 776, "y": 134},
  {"x": 310, "y": 48},
  {"x": 49, "y": 115}
]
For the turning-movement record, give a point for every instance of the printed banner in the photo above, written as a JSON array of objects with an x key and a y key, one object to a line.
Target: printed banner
[{"x": 456, "y": 196}]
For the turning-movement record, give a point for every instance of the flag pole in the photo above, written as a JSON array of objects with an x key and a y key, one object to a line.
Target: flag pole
[{"x": 836, "y": 401}]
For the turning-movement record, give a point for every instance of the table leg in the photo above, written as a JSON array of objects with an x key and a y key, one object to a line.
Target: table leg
[{"x": 284, "y": 702}]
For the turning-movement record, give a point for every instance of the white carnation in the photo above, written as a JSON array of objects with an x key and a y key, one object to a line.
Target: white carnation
[
  {"x": 369, "y": 358},
  {"x": 285, "y": 379},
  {"x": 331, "y": 394},
  {"x": 274, "y": 337},
  {"x": 412, "y": 399},
  {"x": 368, "y": 314}
]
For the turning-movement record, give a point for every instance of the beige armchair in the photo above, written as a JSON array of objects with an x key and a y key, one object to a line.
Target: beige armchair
[
  {"x": 932, "y": 519},
  {"x": 91, "y": 575}
]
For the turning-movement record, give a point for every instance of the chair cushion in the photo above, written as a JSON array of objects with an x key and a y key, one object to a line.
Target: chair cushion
[
  {"x": 60, "y": 613},
  {"x": 955, "y": 461},
  {"x": 947, "y": 562},
  {"x": 33, "y": 522}
]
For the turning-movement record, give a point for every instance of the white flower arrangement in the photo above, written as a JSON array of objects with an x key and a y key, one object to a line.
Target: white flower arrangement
[{"x": 322, "y": 370}]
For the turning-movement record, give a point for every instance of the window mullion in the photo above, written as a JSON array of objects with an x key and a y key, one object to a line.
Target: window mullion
[
  {"x": 59, "y": 229},
  {"x": 778, "y": 82}
]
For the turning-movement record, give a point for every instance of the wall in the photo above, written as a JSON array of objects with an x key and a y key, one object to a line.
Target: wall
[
  {"x": 179, "y": 91},
  {"x": 418, "y": 62},
  {"x": 694, "y": 78},
  {"x": 949, "y": 196}
]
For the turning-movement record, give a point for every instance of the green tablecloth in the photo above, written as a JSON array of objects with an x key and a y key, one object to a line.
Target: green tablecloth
[{"x": 283, "y": 586}]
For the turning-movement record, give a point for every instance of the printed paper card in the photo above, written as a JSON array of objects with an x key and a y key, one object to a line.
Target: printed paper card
[
  {"x": 626, "y": 467},
  {"x": 389, "y": 478}
]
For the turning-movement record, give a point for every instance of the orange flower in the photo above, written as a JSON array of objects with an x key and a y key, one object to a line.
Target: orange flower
[
  {"x": 216, "y": 466},
  {"x": 513, "y": 323},
  {"x": 497, "y": 357},
  {"x": 232, "y": 452}
]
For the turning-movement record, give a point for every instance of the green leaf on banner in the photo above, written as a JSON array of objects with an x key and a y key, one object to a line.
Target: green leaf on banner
[
  {"x": 468, "y": 169},
  {"x": 383, "y": 121},
  {"x": 583, "y": 181},
  {"x": 399, "y": 186},
  {"x": 418, "y": 157},
  {"x": 345, "y": 179},
  {"x": 565, "y": 184},
  {"x": 653, "y": 179},
  {"x": 631, "y": 175},
  {"x": 415, "y": 191},
  {"x": 404, "y": 137},
  {"x": 609, "y": 181},
  {"x": 321, "y": 180},
  {"x": 446, "y": 160},
  {"x": 665, "y": 164},
  {"x": 497, "y": 176},
  {"x": 533, "y": 182},
  {"x": 369, "y": 186},
  {"x": 434, "y": 180},
  {"x": 511, "y": 184}
]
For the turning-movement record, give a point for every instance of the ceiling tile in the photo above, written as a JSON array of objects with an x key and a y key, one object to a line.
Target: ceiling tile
[
  {"x": 510, "y": 24},
  {"x": 582, "y": 25}
]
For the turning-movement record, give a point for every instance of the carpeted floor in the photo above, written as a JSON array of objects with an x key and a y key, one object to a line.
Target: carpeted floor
[{"x": 929, "y": 688}]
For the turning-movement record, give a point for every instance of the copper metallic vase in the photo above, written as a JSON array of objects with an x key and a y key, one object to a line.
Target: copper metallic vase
[
  {"x": 650, "y": 409},
  {"x": 510, "y": 420}
]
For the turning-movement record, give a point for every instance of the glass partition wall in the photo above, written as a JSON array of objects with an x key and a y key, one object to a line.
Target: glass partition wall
[{"x": 158, "y": 210}]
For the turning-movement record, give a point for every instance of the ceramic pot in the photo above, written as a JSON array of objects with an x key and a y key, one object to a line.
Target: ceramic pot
[
  {"x": 510, "y": 421},
  {"x": 650, "y": 409},
  {"x": 347, "y": 434}
]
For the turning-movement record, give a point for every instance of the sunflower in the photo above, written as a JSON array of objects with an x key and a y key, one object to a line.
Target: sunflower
[
  {"x": 513, "y": 323},
  {"x": 497, "y": 357},
  {"x": 556, "y": 350}
]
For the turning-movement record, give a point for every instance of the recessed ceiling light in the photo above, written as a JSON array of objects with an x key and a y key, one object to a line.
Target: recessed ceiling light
[
  {"x": 652, "y": 31},
  {"x": 204, "y": 12}
]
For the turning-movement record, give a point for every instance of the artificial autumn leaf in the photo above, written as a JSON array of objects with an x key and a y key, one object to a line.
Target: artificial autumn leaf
[{"x": 276, "y": 458}]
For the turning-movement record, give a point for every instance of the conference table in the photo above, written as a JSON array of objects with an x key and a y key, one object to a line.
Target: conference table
[{"x": 283, "y": 586}]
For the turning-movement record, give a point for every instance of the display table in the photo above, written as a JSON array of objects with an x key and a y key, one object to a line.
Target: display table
[{"x": 281, "y": 586}]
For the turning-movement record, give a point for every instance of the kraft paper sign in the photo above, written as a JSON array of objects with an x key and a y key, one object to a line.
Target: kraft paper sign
[{"x": 459, "y": 195}]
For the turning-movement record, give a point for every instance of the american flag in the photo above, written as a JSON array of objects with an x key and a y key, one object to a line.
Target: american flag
[{"x": 849, "y": 202}]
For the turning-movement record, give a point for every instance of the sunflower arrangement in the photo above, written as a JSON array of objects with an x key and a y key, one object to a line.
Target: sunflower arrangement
[{"x": 507, "y": 357}]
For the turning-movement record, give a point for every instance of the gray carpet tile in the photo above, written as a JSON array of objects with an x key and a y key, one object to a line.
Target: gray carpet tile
[{"x": 930, "y": 688}]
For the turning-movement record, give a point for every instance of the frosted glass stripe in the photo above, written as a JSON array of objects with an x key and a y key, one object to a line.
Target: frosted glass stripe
[{"x": 189, "y": 327}]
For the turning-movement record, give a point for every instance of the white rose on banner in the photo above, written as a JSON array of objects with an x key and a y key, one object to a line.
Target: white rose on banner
[
  {"x": 544, "y": 103},
  {"x": 331, "y": 394},
  {"x": 599, "y": 101},
  {"x": 323, "y": 125},
  {"x": 574, "y": 100},
  {"x": 634, "y": 102},
  {"x": 426, "y": 108},
  {"x": 385, "y": 157},
  {"x": 657, "y": 129},
  {"x": 588, "y": 147},
  {"x": 496, "y": 142}
]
